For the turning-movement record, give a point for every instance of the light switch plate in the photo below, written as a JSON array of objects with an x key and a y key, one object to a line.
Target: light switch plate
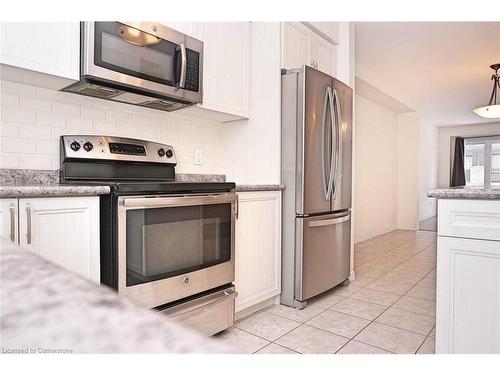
[{"x": 197, "y": 157}]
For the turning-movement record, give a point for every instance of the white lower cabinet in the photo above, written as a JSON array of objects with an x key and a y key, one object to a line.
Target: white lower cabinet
[
  {"x": 468, "y": 277},
  {"x": 258, "y": 248},
  {"x": 9, "y": 220},
  {"x": 62, "y": 230}
]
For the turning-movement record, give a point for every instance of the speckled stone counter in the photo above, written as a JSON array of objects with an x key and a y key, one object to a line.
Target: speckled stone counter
[
  {"x": 50, "y": 190},
  {"x": 46, "y": 309},
  {"x": 464, "y": 193},
  {"x": 20, "y": 183},
  {"x": 270, "y": 187}
]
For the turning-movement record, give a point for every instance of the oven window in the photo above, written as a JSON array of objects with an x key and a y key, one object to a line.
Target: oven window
[
  {"x": 127, "y": 50},
  {"x": 166, "y": 242}
]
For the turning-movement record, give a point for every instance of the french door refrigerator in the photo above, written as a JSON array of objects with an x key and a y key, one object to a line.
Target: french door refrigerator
[{"x": 316, "y": 171}]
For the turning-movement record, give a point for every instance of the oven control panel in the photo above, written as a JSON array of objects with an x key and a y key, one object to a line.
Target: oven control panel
[{"x": 116, "y": 148}]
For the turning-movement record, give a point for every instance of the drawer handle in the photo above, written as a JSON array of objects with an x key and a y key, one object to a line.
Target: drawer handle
[
  {"x": 12, "y": 211},
  {"x": 28, "y": 224}
]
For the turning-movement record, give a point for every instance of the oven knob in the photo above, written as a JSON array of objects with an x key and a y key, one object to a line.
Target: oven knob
[
  {"x": 169, "y": 153},
  {"x": 75, "y": 146},
  {"x": 185, "y": 280},
  {"x": 87, "y": 146},
  {"x": 161, "y": 152}
]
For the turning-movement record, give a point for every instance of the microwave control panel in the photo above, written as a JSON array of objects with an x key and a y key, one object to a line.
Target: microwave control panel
[{"x": 192, "y": 71}]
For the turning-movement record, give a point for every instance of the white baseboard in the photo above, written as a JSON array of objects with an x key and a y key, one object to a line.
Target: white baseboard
[
  {"x": 259, "y": 306},
  {"x": 375, "y": 233}
]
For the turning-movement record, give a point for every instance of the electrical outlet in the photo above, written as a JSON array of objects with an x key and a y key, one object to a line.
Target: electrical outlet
[{"x": 197, "y": 157}]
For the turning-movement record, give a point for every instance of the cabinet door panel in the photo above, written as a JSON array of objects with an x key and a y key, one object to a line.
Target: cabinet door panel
[
  {"x": 323, "y": 53},
  {"x": 46, "y": 47},
  {"x": 225, "y": 66},
  {"x": 295, "y": 46},
  {"x": 64, "y": 231},
  {"x": 258, "y": 248},
  {"x": 468, "y": 296},
  {"x": 9, "y": 220}
]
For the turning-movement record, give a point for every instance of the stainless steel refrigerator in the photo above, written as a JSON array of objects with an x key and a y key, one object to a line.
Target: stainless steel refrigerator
[{"x": 316, "y": 116}]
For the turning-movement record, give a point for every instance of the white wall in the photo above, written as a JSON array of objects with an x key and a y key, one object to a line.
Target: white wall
[
  {"x": 445, "y": 134},
  {"x": 375, "y": 175},
  {"x": 407, "y": 170},
  {"x": 428, "y": 168},
  {"x": 33, "y": 118},
  {"x": 253, "y": 147}
]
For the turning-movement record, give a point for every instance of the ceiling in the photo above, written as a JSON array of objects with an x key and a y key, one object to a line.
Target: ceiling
[{"x": 439, "y": 69}]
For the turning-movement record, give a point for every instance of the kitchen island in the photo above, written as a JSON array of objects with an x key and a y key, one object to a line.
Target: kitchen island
[
  {"x": 47, "y": 309},
  {"x": 468, "y": 270}
]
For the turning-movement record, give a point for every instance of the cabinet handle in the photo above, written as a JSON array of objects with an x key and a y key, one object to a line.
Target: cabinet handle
[
  {"x": 12, "y": 211},
  {"x": 237, "y": 208},
  {"x": 28, "y": 224}
]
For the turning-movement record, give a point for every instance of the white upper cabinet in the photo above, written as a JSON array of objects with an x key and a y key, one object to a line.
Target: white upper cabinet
[
  {"x": 302, "y": 46},
  {"x": 328, "y": 30},
  {"x": 226, "y": 68},
  {"x": 323, "y": 54},
  {"x": 295, "y": 45},
  {"x": 226, "y": 60},
  {"x": 46, "y": 47}
]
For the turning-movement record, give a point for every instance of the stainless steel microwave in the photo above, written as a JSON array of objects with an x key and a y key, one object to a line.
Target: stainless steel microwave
[{"x": 140, "y": 63}]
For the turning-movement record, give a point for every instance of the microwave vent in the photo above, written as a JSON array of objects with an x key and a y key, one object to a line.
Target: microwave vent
[
  {"x": 163, "y": 105},
  {"x": 97, "y": 91}
]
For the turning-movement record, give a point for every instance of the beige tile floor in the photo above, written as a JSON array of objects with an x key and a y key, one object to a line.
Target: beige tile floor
[{"x": 389, "y": 307}]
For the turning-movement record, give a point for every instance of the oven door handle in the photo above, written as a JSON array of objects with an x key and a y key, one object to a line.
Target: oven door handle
[{"x": 179, "y": 201}]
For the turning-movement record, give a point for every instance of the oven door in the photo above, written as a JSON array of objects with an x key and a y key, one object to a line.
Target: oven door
[
  {"x": 172, "y": 247},
  {"x": 143, "y": 55}
]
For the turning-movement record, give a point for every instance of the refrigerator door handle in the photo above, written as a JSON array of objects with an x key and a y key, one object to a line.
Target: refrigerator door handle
[
  {"x": 338, "y": 140},
  {"x": 326, "y": 180},
  {"x": 327, "y": 222},
  {"x": 328, "y": 185}
]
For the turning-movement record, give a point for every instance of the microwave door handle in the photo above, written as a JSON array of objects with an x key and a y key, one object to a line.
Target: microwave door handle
[{"x": 182, "y": 80}]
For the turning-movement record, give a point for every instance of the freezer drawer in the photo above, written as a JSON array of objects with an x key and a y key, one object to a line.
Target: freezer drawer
[{"x": 323, "y": 243}]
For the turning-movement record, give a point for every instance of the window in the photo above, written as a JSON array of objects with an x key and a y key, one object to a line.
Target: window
[{"x": 482, "y": 162}]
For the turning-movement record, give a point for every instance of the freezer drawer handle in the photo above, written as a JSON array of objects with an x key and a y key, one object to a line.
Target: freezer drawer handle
[{"x": 324, "y": 223}]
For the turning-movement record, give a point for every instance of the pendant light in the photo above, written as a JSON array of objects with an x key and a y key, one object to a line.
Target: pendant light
[{"x": 492, "y": 110}]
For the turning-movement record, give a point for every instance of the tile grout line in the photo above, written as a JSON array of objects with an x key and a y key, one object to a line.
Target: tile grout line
[{"x": 394, "y": 301}]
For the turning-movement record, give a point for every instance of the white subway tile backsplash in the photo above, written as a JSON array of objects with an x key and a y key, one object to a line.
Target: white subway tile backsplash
[
  {"x": 14, "y": 114},
  {"x": 11, "y": 100},
  {"x": 93, "y": 112},
  {"x": 106, "y": 127},
  {"x": 51, "y": 119},
  {"x": 46, "y": 147},
  {"x": 18, "y": 145},
  {"x": 35, "y": 132},
  {"x": 9, "y": 129},
  {"x": 79, "y": 123},
  {"x": 34, "y": 118},
  {"x": 10, "y": 161},
  {"x": 37, "y": 104},
  {"x": 36, "y": 162},
  {"x": 67, "y": 108},
  {"x": 118, "y": 116}
]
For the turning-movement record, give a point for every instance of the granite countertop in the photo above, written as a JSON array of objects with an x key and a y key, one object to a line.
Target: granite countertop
[
  {"x": 259, "y": 187},
  {"x": 52, "y": 190},
  {"x": 20, "y": 183},
  {"x": 46, "y": 309},
  {"x": 464, "y": 193}
]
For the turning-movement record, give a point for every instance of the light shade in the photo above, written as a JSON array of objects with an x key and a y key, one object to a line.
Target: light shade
[{"x": 488, "y": 111}]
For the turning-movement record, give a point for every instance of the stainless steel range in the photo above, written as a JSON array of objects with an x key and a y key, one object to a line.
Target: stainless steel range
[{"x": 167, "y": 245}]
